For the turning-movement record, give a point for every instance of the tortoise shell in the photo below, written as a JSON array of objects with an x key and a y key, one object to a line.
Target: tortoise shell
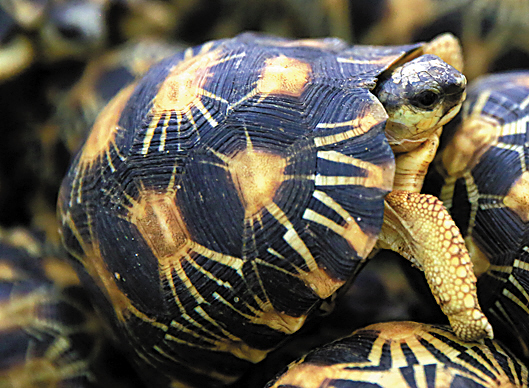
[
  {"x": 405, "y": 354},
  {"x": 482, "y": 178},
  {"x": 493, "y": 33},
  {"x": 49, "y": 335},
  {"x": 219, "y": 200}
]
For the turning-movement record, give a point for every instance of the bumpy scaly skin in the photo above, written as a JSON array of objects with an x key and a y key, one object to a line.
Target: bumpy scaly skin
[{"x": 419, "y": 227}]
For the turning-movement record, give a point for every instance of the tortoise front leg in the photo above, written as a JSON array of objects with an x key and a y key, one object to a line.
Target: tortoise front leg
[{"x": 418, "y": 227}]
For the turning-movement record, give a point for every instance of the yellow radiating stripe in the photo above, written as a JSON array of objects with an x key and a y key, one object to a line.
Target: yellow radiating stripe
[
  {"x": 524, "y": 103},
  {"x": 347, "y": 135},
  {"x": 79, "y": 174},
  {"x": 480, "y": 104},
  {"x": 177, "y": 266},
  {"x": 279, "y": 269},
  {"x": 420, "y": 376},
  {"x": 352, "y": 233},
  {"x": 521, "y": 264},
  {"x": 419, "y": 351},
  {"x": 322, "y": 180},
  {"x": 359, "y": 127},
  {"x": 398, "y": 360},
  {"x": 331, "y": 203},
  {"x": 488, "y": 206},
  {"x": 518, "y": 127},
  {"x": 275, "y": 253},
  {"x": 482, "y": 359},
  {"x": 149, "y": 134},
  {"x": 515, "y": 299},
  {"x": 212, "y": 96},
  {"x": 117, "y": 150},
  {"x": 453, "y": 355},
  {"x": 375, "y": 354},
  {"x": 161, "y": 147},
  {"x": 311, "y": 215},
  {"x": 375, "y": 173},
  {"x": 233, "y": 262},
  {"x": 197, "y": 325},
  {"x": 500, "y": 268},
  {"x": 513, "y": 147},
  {"x": 381, "y": 60},
  {"x": 183, "y": 329},
  {"x": 291, "y": 236},
  {"x": 59, "y": 346},
  {"x": 510, "y": 361},
  {"x": 109, "y": 161},
  {"x": 225, "y": 332},
  {"x": 473, "y": 198},
  {"x": 205, "y": 112}
]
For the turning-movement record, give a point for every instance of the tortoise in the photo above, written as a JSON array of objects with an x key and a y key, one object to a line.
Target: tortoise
[
  {"x": 16, "y": 50},
  {"x": 221, "y": 199},
  {"x": 405, "y": 354},
  {"x": 49, "y": 334},
  {"x": 481, "y": 176},
  {"x": 493, "y": 33},
  {"x": 104, "y": 75},
  {"x": 48, "y": 31}
]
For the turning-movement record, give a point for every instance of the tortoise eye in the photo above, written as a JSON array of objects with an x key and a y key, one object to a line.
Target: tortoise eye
[{"x": 426, "y": 99}]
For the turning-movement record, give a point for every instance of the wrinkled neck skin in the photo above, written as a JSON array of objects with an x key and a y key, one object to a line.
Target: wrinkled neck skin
[
  {"x": 412, "y": 158},
  {"x": 402, "y": 139}
]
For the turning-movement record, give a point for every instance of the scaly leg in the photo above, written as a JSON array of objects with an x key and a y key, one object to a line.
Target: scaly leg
[{"x": 418, "y": 227}]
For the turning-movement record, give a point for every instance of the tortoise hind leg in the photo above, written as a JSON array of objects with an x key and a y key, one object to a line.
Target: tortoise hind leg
[{"x": 418, "y": 227}]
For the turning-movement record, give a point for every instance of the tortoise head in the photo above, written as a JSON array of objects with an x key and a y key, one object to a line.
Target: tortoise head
[{"x": 419, "y": 96}]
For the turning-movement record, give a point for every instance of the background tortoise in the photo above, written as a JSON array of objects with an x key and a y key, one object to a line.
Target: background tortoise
[
  {"x": 405, "y": 354},
  {"x": 493, "y": 33},
  {"x": 481, "y": 176},
  {"x": 49, "y": 334},
  {"x": 235, "y": 127}
]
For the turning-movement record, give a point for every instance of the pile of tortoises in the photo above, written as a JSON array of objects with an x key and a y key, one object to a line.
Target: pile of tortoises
[{"x": 185, "y": 204}]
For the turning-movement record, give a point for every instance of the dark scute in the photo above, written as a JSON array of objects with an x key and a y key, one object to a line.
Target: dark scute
[
  {"x": 83, "y": 344},
  {"x": 511, "y": 59},
  {"x": 408, "y": 373},
  {"x": 20, "y": 259},
  {"x": 411, "y": 359},
  {"x": 112, "y": 81},
  {"x": 287, "y": 293},
  {"x": 125, "y": 252},
  {"x": 68, "y": 313},
  {"x": 430, "y": 372},
  {"x": 71, "y": 242},
  {"x": 13, "y": 348},
  {"x": 340, "y": 383},
  {"x": 351, "y": 349},
  {"x": 209, "y": 202},
  {"x": 140, "y": 102},
  {"x": 465, "y": 382},
  {"x": 157, "y": 371}
]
